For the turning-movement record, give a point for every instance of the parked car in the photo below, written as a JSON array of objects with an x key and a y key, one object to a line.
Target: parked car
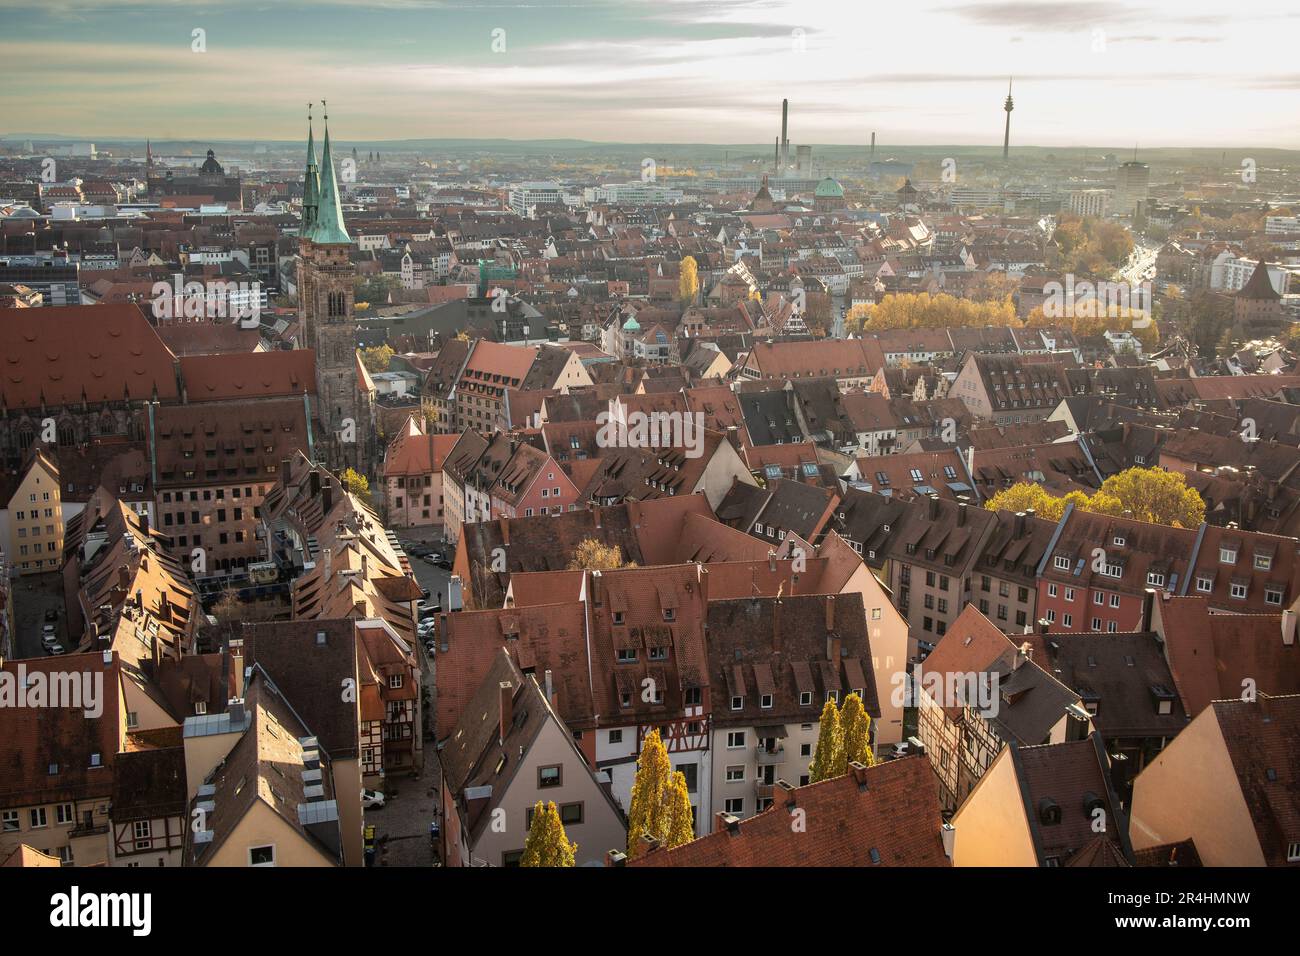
[
  {"x": 49, "y": 640},
  {"x": 55, "y": 648},
  {"x": 372, "y": 800}
]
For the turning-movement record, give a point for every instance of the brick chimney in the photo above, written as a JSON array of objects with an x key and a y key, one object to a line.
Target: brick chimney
[
  {"x": 830, "y": 612},
  {"x": 859, "y": 773},
  {"x": 783, "y": 794},
  {"x": 1288, "y": 627},
  {"x": 771, "y": 561},
  {"x": 505, "y": 531},
  {"x": 776, "y": 626},
  {"x": 507, "y": 691},
  {"x": 597, "y": 589}
]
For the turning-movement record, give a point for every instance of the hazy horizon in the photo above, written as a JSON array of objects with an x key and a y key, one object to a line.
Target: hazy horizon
[{"x": 678, "y": 72}]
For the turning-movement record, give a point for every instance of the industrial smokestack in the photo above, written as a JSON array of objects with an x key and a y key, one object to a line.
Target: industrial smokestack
[
  {"x": 785, "y": 135},
  {"x": 873, "y": 146}
]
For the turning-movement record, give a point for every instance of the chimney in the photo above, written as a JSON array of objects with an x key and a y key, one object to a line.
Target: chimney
[
  {"x": 124, "y": 577},
  {"x": 1288, "y": 627},
  {"x": 139, "y": 599},
  {"x": 597, "y": 589},
  {"x": 1025, "y": 655},
  {"x": 726, "y": 821},
  {"x": 649, "y": 844},
  {"x": 616, "y": 858},
  {"x": 286, "y": 469},
  {"x": 1043, "y": 625},
  {"x": 164, "y": 607},
  {"x": 327, "y": 559},
  {"x": 948, "y": 832},
  {"x": 833, "y": 649},
  {"x": 505, "y": 531},
  {"x": 933, "y": 507},
  {"x": 771, "y": 560},
  {"x": 549, "y": 687},
  {"x": 830, "y": 612},
  {"x": 1148, "y": 602},
  {"x": 859, "y": 773},
  {"x": 961, "y": 514},
  {"x": 326, "y": 497},
  {"x": 783, "y": 794},
  {"x": 776, "y": 626},
  {"x": 315, "y": 483},
  {"x": 507, "y": 699},
  {"x": 1020, "y": 523}
]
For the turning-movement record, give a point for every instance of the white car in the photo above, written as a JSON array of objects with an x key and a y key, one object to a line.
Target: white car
[
  {"x": 54, "y": 648},
  {"x": 372, "y": 799}
]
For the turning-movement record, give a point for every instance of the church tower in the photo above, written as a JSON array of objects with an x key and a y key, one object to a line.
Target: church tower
[{"x": 325, "y": 313}]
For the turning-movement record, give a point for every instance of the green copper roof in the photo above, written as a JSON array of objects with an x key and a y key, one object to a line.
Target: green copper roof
[
  {"x": 631, "y": 325},
  {"x": 829, "y": 188},
  {"x": 310, "y": 185},
  {"x": 328, "y": 228}
]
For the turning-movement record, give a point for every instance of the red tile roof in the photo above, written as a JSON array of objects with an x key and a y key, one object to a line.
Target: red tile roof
[
  {"x": 887, "y": 815},
  {"x": 95, "y": 353},
  {"x": 210, "y": 378}
]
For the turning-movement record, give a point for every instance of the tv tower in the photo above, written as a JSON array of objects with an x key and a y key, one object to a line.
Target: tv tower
[{"x": 1006, "y": 137}]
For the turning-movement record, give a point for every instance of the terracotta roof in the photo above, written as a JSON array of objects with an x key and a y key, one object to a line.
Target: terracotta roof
[
  {"x": 1263, "y": 741},
  {"x": 413, "y": 452},
  {"x": 149, "y": 784},
  {"x": 1211, "y": 655},
  {"x": 249, "y": 375},
  {"x": 97, "y": 353},
  {"x": 887, "y": 815}
]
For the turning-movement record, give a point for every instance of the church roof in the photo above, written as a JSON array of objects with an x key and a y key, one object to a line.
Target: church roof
[
  {"x": 328, "y": 228},
  {"x": 1259, "y": 286},
  {"x": 828, "y": 188},
  {"x": 211, "y": 167}
]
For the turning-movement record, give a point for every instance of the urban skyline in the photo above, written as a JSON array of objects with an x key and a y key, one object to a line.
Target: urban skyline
[{"x": 618, "y": 72}]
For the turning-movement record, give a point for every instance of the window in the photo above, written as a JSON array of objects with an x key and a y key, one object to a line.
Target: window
[
  {"x": 1204, "y": 584},
  {"x": 570, "y": 813},
  {"x": 1114, "y": 569},
  {"x": 616, "y": 736},
  {"x": 143, "y": 830},
  {"x": 1155, "y": 578},
  {"x": 736, "y": 774},
  {"x": 1119, "y": 541},
  {"x": 64, "y": 813},
  {"x": 1098, "y": 598},
  {"x": 1272, "y": 595},
  {"x": 1096, "y": 624},
  {"x": 627, "y": 655},
  {"x": 549, "y": 776},
  {"x": 735, "y": 739},
  {"x": 261, "y": 855},
  {"x": 1069, "y": 594},
  {"x": 1067, "y": 620},
  {"x": 1227, "y": 554},
  {"x": 1292, "y": 852},
  {"x": 1051, "y": 616},
  {"x": 765, "y": 701},
  {"x": 805, "y": 698},
  {"x": 1051, "y": 590},
  {"x": 1061, "y": 563},
  {"x": 9, "y": 821},
  {"x": 1238, "y": 590},
  {"x": 737, "y": 703},
  {"x": 1263, "y": 562},
  {"x": 38, "y": 818},
  {"x": 736, "y": 805}
]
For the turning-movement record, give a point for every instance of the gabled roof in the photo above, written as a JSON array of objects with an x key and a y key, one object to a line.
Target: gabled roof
[
  {"x": 886, "y": 815},
  {"x": 238, "y": 375},
  {"x": 100, "y": 353}
]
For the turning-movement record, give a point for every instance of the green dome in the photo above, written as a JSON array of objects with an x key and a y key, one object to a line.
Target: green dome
[
  {"x": 632, "y": 325},
  {"x": 829, "y": 189}
]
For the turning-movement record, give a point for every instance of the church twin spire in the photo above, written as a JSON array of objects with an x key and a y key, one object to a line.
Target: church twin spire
[{"x": 322, "y": 216}]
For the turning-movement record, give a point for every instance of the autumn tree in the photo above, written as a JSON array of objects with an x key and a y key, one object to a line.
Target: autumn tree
[
  {"x": 681, "y": 818},
  {"x": 355, "y": 482},
  {"x": 830, "y": 745},
  {"x": 376, "y": 359},
  {"x": 547, "y": 843},
  {"x": 908, "y": 310},
  {"x": 661, "y": 804},
  {"x": 688, "y": 280},
  {"x": 856, "y": 723},
  {"x": 1151, "y": 494},
  {"x": 1147, "y": 494},
  {"x": 592, "y": 554}
]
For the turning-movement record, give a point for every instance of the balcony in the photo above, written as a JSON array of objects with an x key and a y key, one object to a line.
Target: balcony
[
  {"x": 766, "y": 757},
  {"x": 763, "y": 790}
]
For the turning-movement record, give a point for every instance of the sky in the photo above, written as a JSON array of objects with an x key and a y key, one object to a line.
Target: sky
[{"x": 1195, "y": 73}]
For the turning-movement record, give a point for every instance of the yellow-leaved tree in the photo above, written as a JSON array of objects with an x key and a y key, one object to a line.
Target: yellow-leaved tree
[
  {"x": 355, "y": 482},
  {"x": 661, "y": 805},
  {"x": 593, "y": 555},
  {"x": 856, "y": 723},
  {"x": 1146, "y": 494},
  {"x": 547, "y": 844},
  {"x": 688, "y": 280},
  {"x": 830, "y": 745}
]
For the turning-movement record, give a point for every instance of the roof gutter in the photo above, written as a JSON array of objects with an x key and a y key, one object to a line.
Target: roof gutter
[{"x": 1056, "y": 536}]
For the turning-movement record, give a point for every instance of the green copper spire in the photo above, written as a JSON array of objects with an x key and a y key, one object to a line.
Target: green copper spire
[
  {"x": 328, "y": 229},
  {"x": 310, "y": 182}
]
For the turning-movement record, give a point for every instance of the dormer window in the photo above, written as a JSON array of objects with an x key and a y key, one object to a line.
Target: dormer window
[
  {"x": 805, "y": 698},
  {"x": 1061, "y": 563},
  {"x": 1263, "y": 562},
  {"x": 1227, "y": 554},
  {"x": 670, "y": 614},
  {"x": 737, "y": 703},
  {"x": 765, "y": 701},
  {"x": 618, "y": 617},
  {"x": 1120, "y": 541}
]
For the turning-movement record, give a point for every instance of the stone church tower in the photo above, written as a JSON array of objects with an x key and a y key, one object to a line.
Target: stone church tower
[{"x": 325, "y": 314}]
